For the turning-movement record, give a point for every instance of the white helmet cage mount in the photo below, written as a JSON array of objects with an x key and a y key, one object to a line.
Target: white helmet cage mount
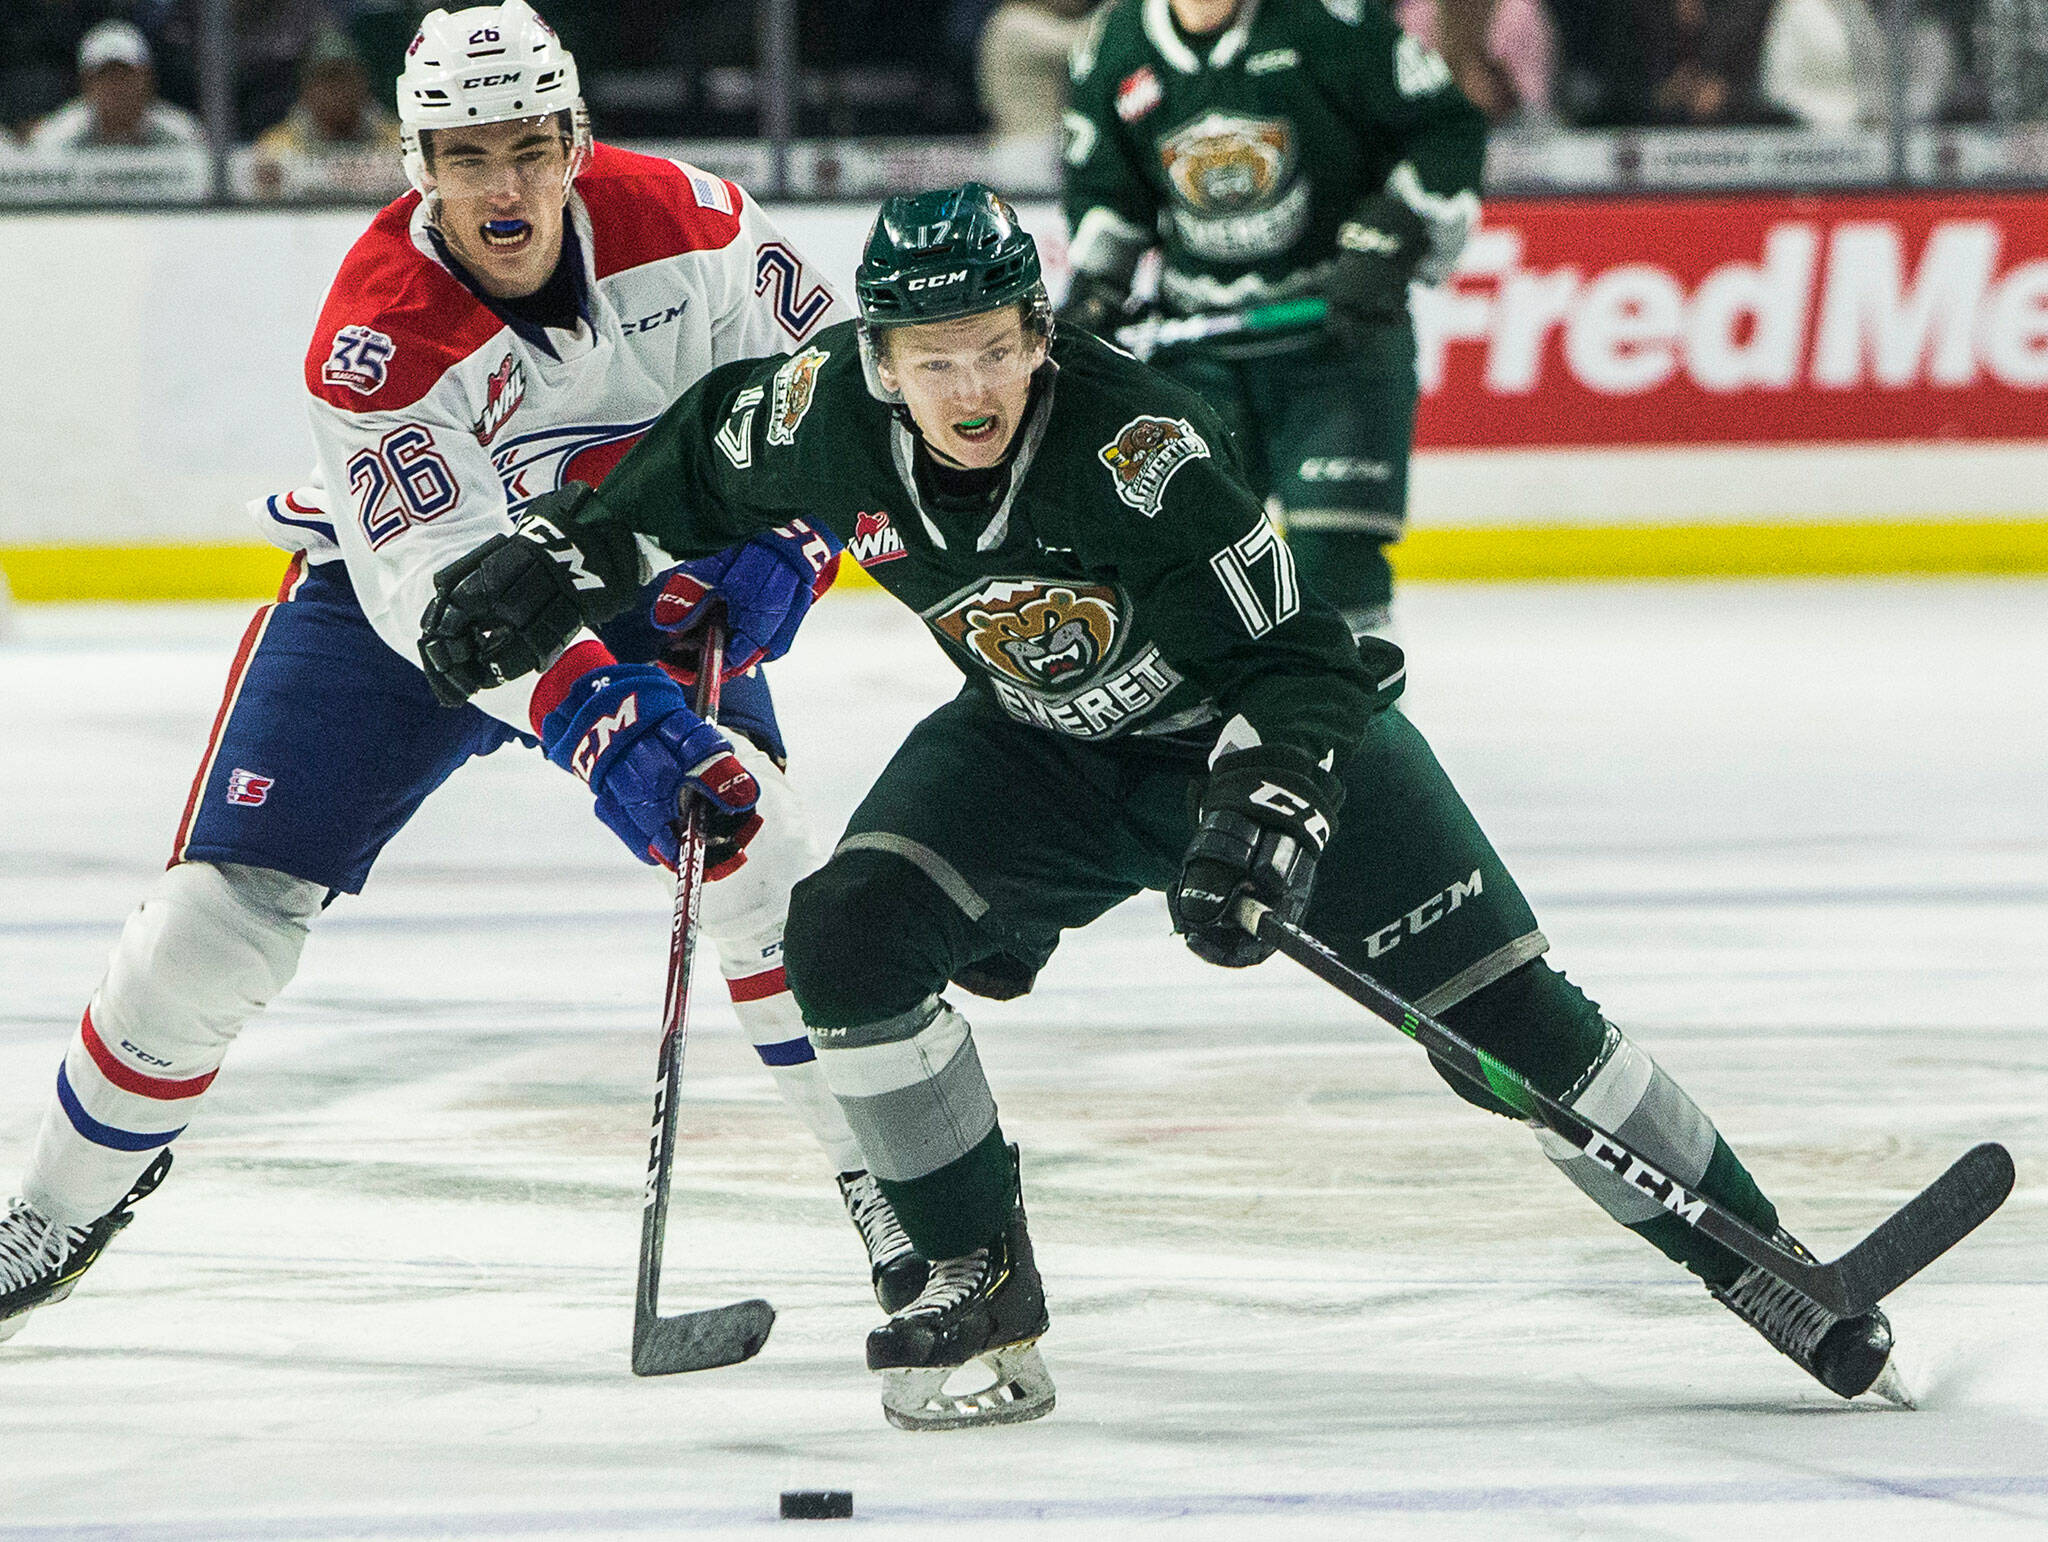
[{"x": 486, "y": 64}]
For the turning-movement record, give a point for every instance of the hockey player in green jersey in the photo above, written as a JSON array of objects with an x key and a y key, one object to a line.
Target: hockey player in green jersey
[
  {"x": 1274, "y": 149},
  {"x": 1151, "y": 702}
]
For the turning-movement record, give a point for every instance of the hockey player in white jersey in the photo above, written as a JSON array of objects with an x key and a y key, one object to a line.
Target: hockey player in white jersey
[{"x": 516, "y": 321}]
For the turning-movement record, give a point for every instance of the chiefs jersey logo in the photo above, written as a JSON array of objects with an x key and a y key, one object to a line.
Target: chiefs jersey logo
[
  {"x": 1144, "y": 456},
  {"x": 1225, "y": 164},
  {"x": 1038, "y": 632},
  {"x": 503, "y": 393},
  {"x": 795, "y": 384}
]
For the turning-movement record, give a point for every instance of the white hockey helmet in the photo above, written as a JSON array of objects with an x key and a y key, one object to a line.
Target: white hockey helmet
[{"x": 487, "y": 64}]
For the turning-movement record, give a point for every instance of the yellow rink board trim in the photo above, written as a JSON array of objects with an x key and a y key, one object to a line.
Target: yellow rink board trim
[{"x": 241, "y": 572}]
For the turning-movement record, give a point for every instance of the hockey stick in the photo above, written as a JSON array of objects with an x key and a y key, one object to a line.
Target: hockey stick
[
  {"x": 1928, "y": 1225},
  {"x": 1142, "y": 339},
  {"x": 719, "y": 1335}
]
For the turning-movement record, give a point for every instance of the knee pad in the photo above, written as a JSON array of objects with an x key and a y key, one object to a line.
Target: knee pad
[
  {"x": 206, "y": 950},
  {"x": 1626, "y": 1092},
  {"x": 912, "y": 1088},
  {"x": 870, "y": 936}
]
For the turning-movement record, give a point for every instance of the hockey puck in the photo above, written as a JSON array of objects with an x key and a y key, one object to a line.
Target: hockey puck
[{"x": 817, "y": 1504}]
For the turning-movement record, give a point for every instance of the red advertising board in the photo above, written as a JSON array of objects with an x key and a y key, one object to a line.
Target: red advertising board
[{"x": 1742, "y": 320}]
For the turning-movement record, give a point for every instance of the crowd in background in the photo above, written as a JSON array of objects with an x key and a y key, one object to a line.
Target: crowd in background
[{"x": 313, "y": 77}]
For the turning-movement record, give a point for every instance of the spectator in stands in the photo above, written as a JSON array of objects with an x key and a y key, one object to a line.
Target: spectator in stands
[
  {"x": 117, "y": 102},
  {"x": 1827, "y": 63},
  {"x": 271, "y": 37},
  {"x": 335, "y": 111},
  {"x": 39, "y": 55},
  {"x": 1502, "y": 60},
  {"x": 1022, "y": 65}
]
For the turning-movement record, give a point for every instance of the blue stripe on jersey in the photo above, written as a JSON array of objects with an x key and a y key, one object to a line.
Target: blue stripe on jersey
[
  {"x": 788, "y": 1052},
  {"x": 105, "y": 1134},
  {"x": 318, "y": 526}
]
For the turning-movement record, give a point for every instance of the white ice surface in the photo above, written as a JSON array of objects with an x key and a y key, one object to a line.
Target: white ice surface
[{"x": 1794, "y": 835}]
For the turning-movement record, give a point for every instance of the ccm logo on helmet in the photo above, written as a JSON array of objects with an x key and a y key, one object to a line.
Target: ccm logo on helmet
[
  {"x": 937, "y": 280},
  {"x": 477, "y": 81}
]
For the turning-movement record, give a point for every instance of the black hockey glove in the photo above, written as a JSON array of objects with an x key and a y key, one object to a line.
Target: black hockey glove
[
  {"x": 1095, "y": 304},
  {"x": 1378, "y": 250},
  {"x": 1266, "y": 815},
  {"x": 508, "y": 607}
]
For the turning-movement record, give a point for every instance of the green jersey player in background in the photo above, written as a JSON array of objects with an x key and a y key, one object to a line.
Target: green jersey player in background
[
  {"x": 1151, "y": 702},
  {"x": 1272, "y": 150}
]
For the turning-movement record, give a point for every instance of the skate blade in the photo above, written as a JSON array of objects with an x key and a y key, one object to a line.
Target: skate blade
[
  {"x": 9, "y": 1326},
  {"x": 1891, "y": 1385},
  {"x": 1021, "y": 1389}
]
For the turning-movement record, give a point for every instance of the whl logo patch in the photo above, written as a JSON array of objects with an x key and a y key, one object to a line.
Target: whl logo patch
[
  {"x": 503, "y": 393},
  {"x": 247, "y": 788},
  {"x": 360, "y": 359},
  {"x": 1144, "y": 456},
  {"x": 875, "y": 539}
]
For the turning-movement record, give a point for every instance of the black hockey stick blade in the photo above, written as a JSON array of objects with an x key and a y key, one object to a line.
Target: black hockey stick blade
[
  {"x": 701, "y": 1341},
  {"x": 1920, "y": 1231}
]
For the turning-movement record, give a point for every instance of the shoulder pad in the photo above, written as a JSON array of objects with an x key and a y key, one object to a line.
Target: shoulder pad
[
  {"x": 644, "y": 209},
  {"x": 394, "y": 323}
]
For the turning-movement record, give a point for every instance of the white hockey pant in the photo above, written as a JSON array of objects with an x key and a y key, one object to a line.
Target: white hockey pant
[
  {"x": 205, "y": 952},
  {"x": 212, "y": 944}
]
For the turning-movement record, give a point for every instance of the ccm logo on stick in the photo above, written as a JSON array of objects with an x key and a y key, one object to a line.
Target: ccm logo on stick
[{"x": 1638, "y": 1174}]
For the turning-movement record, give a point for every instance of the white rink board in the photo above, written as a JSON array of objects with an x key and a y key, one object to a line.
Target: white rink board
[
  {"x": 1791, "y": 834},
  {"x": 166, "y": 392}
]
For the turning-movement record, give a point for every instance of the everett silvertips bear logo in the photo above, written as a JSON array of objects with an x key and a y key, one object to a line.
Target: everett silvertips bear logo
[
  {"x": 1224, "y": 164},
  {"x": 1144, "y": 456},
  {"x": 1037, "y": 632},
  {"x": 503, "y": 393},
  {"x": 795, "y": 384}
]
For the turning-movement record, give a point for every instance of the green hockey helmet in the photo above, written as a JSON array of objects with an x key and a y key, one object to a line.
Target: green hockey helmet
[{"x": 951, "y": 252}]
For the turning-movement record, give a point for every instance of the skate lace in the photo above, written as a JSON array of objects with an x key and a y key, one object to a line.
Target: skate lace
[
  {"x": 876, "y": 1217},
  {"x": 1794, "y": 1323},
  {"x": 32, "y": 1246},
  {"x": 952, "y": 1281}
]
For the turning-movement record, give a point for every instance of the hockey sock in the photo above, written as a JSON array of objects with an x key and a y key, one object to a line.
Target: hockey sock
[
  {"x": 914, "y": 1094},
  {"x": 744, "y": 911},
  {"x": 203, "y": 953},
  {"x": 1544, "y": 1026}
]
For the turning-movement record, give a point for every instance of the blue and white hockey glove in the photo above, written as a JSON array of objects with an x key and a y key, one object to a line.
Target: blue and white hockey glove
[
  {"x": 627, "y": 730},
  {"x": 1267, "y": 813},
  {"x": 767, "y": 585}
]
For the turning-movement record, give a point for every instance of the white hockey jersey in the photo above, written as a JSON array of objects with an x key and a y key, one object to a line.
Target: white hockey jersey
[{"x": 434, "y": 417}]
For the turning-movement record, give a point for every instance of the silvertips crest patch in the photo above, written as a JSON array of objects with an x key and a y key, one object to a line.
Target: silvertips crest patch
[{"x": 1144, "y": 456}]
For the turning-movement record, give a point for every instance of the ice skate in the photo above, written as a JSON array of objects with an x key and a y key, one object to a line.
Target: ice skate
[
  {"x": 41, "y": 1260},
  {"x": 987, "y": 1309},
  {"x": 1847, "y": 1355},
  {"x": 893, "y": 1265}
]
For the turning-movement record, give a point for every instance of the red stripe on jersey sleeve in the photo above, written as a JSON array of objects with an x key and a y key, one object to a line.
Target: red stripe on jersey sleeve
[
  {"x": 394, "y": 323},
  {"x": 644, "y": 209}
]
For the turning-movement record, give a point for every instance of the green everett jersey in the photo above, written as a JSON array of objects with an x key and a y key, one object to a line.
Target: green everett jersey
[
  {"x": 1127, "y": 586},
  {"x": 1241, "y": 154}
]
